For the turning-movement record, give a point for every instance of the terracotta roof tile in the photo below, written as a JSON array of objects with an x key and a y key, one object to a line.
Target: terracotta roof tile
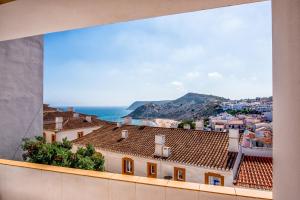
[
  {"x": 193, "y": 147},
  {"x": 47, "y": 108},
  {"x": 75, "y": 123},
  {"x": 69, "y": 121},
  {"x": 255, "y": 172},
  {"x": 50, "y": 116}
]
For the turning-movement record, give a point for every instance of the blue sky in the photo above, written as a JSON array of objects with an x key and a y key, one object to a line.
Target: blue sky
[{"x": 225, "y": 52}]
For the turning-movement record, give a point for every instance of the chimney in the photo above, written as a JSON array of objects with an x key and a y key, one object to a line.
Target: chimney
[
  {"x": 234, "y": 137},
  {"x": 58, "y": 123},
  {"x": 70, "y": 109},
  {"x": 119, "y": 124},
  {"x": 76, "y": 115},
  {"x": 128, "y": 120},
  {"x": 88, "y": 118},
  {"x": 187, "y": 126},
  {"x": 159, "y": 144},
  {"x": 166, "y": 152},
  {"x": 124, "y": 134}
]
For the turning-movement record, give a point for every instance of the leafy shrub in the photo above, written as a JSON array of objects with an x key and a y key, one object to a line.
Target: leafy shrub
[{"x": 60, "y": 154}]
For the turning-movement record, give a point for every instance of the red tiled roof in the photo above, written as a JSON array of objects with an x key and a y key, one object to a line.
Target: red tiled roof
[
  {"x": 199, "y": 148},
  {"x": 46, "y": 108},
  {"x": 75, "y": 123},
  {"x": 255, "y": 172},
  {"x": 50, "y": 116}
]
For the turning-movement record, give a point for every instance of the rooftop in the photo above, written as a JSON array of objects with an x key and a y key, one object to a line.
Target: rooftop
[
  {"x": 47, "y": 108},
  {"x": 255, "y": 172},
  {"x": 193, "y": 147},
  {"x": 74, "y": 123}
]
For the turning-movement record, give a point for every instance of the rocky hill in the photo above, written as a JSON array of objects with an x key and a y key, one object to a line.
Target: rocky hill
[
  {"x": 189, "y": 106},
  {"x": 137, "y": 104}
]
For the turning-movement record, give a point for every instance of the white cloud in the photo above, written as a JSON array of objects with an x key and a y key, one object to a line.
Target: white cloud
[
  {"x": 192, "y": 75},
  {"x": 231, "y": 24},
  {"x": 161, "y": 58},
  {"x": 178, "y": 85},
  {"x": 215, "y": 75},
  {"x": 189, "y": 53}
]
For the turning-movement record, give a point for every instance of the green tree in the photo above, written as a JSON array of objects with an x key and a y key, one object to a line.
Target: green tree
[
  {"x": 190, "y": 122},
  {"x": 36, "y": 150}
]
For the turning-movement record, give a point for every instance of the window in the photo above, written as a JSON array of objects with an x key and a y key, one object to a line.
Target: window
[
  {"x": 79, "y": 134},
  {"x": 214, "y": 179},
  {"x": 53, "y": 138},
  {"x": 127, "y": 166},
  {"x": 179, "y": 174},
  {"x": 151, "y": 170}
]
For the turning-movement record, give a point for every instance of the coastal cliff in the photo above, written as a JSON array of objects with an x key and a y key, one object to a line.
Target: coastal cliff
[{"x": 189, "y": 106}]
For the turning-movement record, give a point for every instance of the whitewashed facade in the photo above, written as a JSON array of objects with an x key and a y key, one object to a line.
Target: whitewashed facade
[
  {"x": 196, "y": 174},
  {"x": 69, "y": 134}
]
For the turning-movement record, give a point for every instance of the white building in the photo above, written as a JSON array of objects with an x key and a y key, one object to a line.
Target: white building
[
  {"x": 178, "y": 154},
  {"x": 70, "y": 127}
]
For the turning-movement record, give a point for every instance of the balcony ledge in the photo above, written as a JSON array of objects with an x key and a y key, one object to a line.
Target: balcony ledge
[{"x": 232, "y": 191}]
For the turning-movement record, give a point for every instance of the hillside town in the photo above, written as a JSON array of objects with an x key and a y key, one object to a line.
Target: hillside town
[{"x": 225, "y": 150}]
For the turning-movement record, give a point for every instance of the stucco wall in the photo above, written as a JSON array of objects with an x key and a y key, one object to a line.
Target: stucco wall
[
  {"x": 59, "y": 15},
  {"x": 20, "y": 180},
  {"x": 21, "y": 93},
  {"x": 69, "y": 134},
  {"x": 113, "y": 163},
  {"x": 262, "y": 152}
]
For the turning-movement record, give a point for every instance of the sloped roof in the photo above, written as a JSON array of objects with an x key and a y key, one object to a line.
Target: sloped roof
[
  {"x": 75, "y": 123},
  {"x": 255, "y": 172},
  {"x": 193, "y": 147},
  {"x": 47, "y": 108}
]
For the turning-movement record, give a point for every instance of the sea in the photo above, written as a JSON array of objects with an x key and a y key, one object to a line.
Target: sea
[{"x": 112, "y": 114}]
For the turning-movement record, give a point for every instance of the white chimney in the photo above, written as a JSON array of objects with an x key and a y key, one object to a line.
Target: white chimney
[
  {"x": 124, "y": 134},
  {"x": 159, "y": 144},
  {"x": 76, "y": 115},
  {"x": 58, "y": 123},
  {"x": 199, "y": 125},
  {"x": 128, "y": 120},
  {"x": 119, "y": 124},
  {"x": 234, "y": 137},
  {"x": 187, "y": 126},
  {"x": 166, "y": 152},
  {"x": 88, "y": 118}
]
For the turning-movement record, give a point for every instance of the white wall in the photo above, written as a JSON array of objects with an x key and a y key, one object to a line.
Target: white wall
[
  {"x": 48, "y": 135},
  {"x": 59, "y": 15},
  {"x": 113, "y": 163},
  {"x": 262, "y": 152},
  {"x": 237, "y": 162},
  {"x": 286, "y": 95},
  {"x": 72, "y": 134},
  {"x": 21, "y": 93},
  {"x": 69, "y": 134},
  {"x": 28, "y": 181}
]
